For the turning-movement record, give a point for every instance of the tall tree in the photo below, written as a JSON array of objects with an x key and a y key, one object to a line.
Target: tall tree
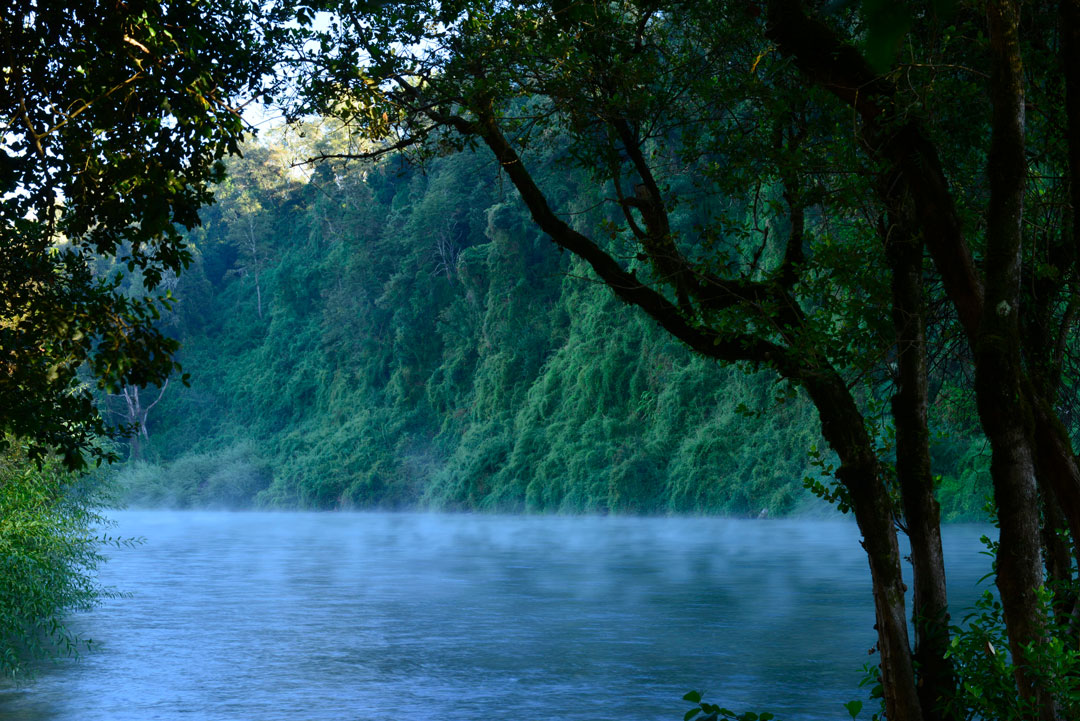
[
  {"x": 797, "y": 116},
  {"x": 115, "y": 117}
]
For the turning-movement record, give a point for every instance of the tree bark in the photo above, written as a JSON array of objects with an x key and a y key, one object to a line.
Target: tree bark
[
  {"x": 1056, "y": 467},
  {"x": 930, "y": 608},
  {"x": 842, "y": 426},
  {"x": 1003, "y": 410},
  {"x": 1057, "y": 555}
]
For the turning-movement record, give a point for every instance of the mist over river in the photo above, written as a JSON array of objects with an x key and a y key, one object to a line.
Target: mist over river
[{"x": 313, "y": 616}]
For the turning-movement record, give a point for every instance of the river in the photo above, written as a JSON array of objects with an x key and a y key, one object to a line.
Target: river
[{"x": 342, "y": 616}]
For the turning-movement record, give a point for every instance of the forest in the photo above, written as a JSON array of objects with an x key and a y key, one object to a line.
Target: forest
[
  {"x": 629, "y": 258},
  {"x": 392, "y": 336}
]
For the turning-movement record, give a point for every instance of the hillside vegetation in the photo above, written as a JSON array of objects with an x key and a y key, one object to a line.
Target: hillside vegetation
[{"x": 390, "y": 336}]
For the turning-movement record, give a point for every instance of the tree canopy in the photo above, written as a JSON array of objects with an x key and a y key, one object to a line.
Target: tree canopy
[
  {"x": 115, "y": 118},
  {"x": 857, "y": 197},
  {"x": 867, "y": 181}
]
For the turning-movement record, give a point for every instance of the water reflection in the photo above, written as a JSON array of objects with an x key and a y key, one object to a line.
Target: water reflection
[{"x": 379, "y": 616}]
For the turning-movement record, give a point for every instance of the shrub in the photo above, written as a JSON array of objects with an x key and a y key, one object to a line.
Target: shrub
[{"x": 49, "y": 554}]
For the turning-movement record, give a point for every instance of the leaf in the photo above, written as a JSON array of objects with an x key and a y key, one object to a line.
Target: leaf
[
  {"x": 853, "y": 708},
  {"x": 692, "y": 697}
]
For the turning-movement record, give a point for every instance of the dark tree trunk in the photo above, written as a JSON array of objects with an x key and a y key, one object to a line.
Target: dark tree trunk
[
  {"x": 930, "y": 609},
  {"x": 1057, "y": 555},
  {"x": 1055, "y": 458},
  {"x": 1046, "y": 338},
  {"x": 989, "y": 317},
  {"x": 1005, "y": 415},
  {"x": 842, "y": 426},
  {"x": 1056, "y": 469}
]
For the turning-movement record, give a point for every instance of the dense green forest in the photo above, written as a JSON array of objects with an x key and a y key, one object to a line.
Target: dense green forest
[
  {"x": 385, "y": 335},
  {"x": 875, "y": 203}
]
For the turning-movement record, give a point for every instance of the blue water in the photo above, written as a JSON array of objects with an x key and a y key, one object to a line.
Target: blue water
[{"x": 312, "y": 616}]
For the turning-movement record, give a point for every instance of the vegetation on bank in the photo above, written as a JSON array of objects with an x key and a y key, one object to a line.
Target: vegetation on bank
[
  {"x": 51, "y": 535},
  {"x": 114, "y": 117},
  {"x": 877, "y": 205},
  {"x": 391, "y": 336}
]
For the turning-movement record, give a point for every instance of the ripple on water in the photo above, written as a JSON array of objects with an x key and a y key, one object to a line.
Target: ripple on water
[{"x": 313, "y": 616}]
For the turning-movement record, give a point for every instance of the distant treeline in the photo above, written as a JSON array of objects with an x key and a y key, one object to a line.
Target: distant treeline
[{"x": 396, "y": 336}]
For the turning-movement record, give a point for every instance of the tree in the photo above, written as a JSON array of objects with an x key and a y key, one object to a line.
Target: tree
[
  {"x": 833, "y": 146},
  {"x": 115, "y": 117},
  {"x": 254, "y": 183},
  {"x": 136, "y": 413}
]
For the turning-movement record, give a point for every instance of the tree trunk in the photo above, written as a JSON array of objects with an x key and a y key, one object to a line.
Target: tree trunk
[
  {"x": 989, "y": 317},
  {"x": 1056, "y": 469},
  {"x": 1005, "y": 415},
  {"x": 1057, "y": 555},
  {"x": 930, "y": 609},
  {"x": 258, "y": 296},
  {"x": 256, "y": 266},
  {"x": 137, "y": 415},
  {"x": 135, "y": 418},
  {"x": 842, "y": 426}
]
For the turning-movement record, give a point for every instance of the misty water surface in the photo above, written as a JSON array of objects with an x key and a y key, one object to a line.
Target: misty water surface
[{"x": 307, "y": 617}]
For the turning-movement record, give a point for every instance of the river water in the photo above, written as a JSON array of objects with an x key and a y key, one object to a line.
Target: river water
[{"x": 335, "y": 616}]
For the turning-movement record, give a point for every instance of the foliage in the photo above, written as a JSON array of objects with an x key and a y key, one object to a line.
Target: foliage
[
  {"x": 705, "y": 711},
  {"x": 115, "y": 118},
  {"x": 421, "y": 345},
  {"x": 986, "y": 670},
  {"x": 400, "y": 379},
  {"x": 50, "y": 522}
]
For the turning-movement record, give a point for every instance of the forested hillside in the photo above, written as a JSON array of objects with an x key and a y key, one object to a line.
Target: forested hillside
[{"x": 393, "y": 336}]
